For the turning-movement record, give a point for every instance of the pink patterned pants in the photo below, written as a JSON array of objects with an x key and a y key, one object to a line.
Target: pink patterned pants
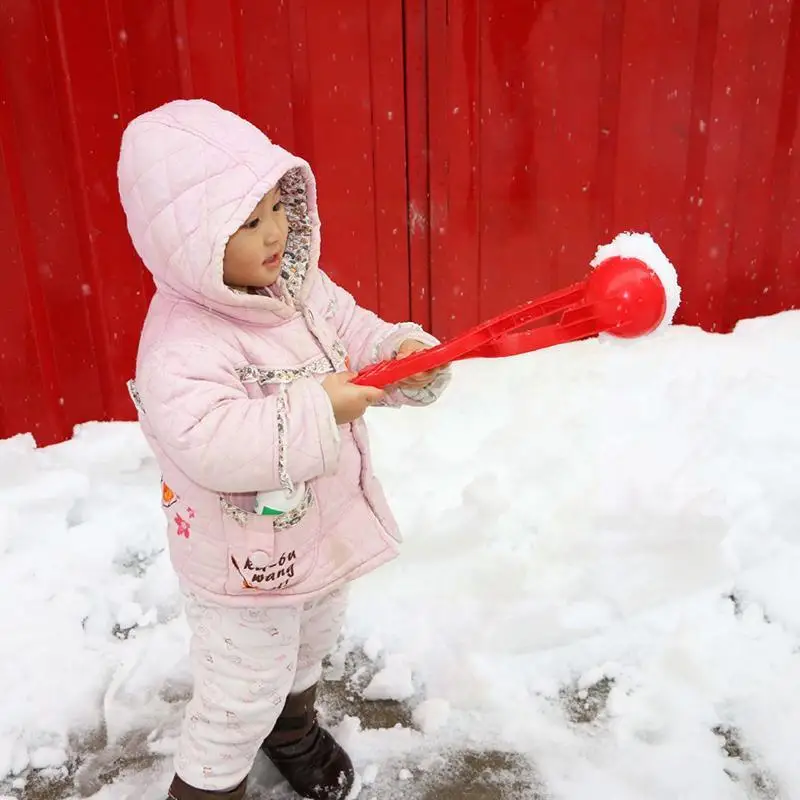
[{"x": 244, "y": 662}]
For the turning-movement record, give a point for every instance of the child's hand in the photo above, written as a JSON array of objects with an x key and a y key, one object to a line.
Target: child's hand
[
  {"x": 421, "y": 379},
  {"x": 348, "y": 400}
]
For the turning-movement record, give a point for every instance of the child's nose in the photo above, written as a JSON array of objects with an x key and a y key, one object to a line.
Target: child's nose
[{"x": 272, "y": 231}]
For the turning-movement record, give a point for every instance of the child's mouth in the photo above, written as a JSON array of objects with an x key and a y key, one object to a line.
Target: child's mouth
[{"x": 272, "y": 261}]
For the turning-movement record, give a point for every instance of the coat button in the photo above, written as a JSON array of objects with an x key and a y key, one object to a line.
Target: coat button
[{"x": 259, "y": 559}]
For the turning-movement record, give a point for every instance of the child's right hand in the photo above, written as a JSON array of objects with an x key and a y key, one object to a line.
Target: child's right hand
[{"x": 349, "y": 401}]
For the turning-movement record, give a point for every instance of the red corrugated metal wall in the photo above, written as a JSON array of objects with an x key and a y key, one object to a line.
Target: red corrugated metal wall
[
  {"x": 323, "y": 79},
  {"x": 470, "y": 154},
  {"x": 557, "y": 123}
]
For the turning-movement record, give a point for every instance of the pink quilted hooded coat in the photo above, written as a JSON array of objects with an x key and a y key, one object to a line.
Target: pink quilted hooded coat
[{"x": 228, "y": 384}]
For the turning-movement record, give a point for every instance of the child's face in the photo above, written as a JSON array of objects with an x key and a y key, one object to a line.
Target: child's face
[{"x": 254, "y": 253}]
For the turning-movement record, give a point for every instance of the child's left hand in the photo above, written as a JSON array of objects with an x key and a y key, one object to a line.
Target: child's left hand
[{"x": 421, "y": 379}]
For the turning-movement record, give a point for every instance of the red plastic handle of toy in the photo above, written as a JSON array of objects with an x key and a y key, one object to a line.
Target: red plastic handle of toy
[
  {"x": 386, "y": 373},
  {"x": 491, "y": 340},
  {"x": 514, "y": 344}
]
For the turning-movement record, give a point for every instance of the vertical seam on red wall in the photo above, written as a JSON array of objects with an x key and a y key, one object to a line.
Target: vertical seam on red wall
[
  {"x": 97, "y": 320},
  {"x": 697, "y": 153},
  {"x": 236, "y": 31},
  {"x": 479, "y": 165},
  {"x": 127, "y": 107},
  {"x": 728, "y": 319},
  {"x": 40, "y": 329},
  {"x": 373, "y": 137},
  {"x": 784, "y": 141},
  {"x": 180, "y": 25},
  {"x": 301, "y": 83},
  {"x": 417, "y": 148},
  {"x": 124, "y": 99},
  {"x": 438, "y": 145},
  {"x": 426, "y": 160},
  {"x": 407, "y": 147},
  {"x": 609, "y": 116},
  {"x": 123, "y": 88}
]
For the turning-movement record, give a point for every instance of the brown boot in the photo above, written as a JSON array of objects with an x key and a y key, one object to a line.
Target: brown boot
[
  {"x": 179, "y": 790},
  {"x": 307, "y": 756}
]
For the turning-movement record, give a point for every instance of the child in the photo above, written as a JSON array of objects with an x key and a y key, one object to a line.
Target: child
[{"x": 243, "y": 387}]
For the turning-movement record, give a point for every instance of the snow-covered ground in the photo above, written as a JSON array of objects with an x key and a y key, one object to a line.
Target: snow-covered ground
[{"x": 622, "y": 514}]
